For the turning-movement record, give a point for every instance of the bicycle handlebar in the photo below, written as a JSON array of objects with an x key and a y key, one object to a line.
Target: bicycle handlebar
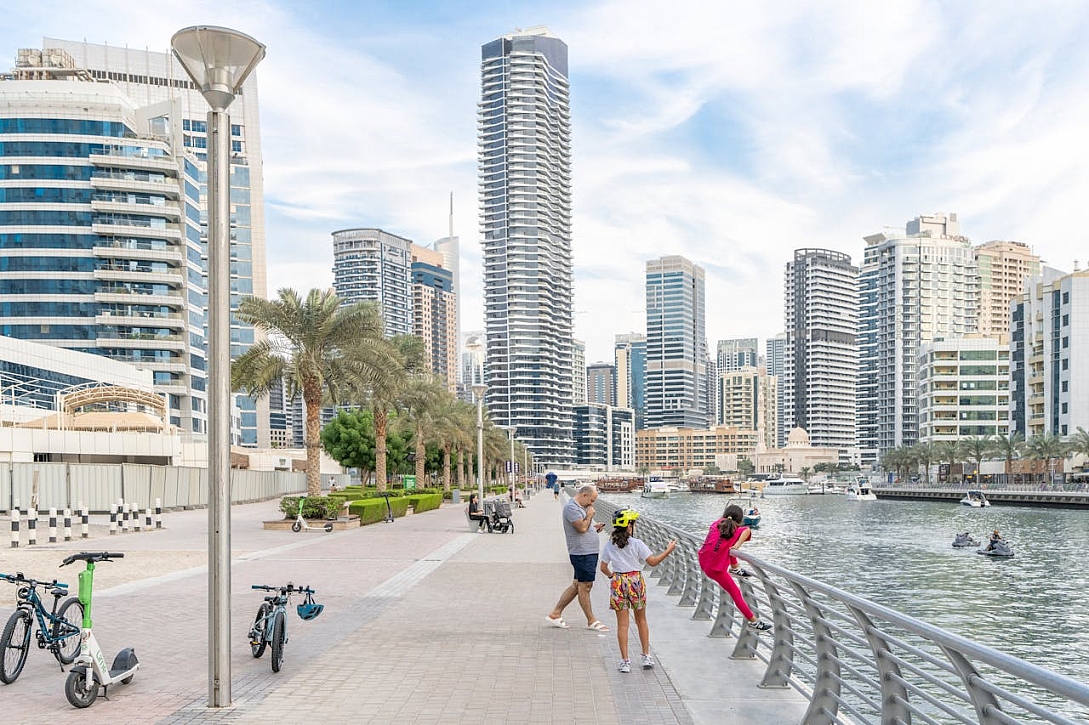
[
  {"x": 90, "y": 556},
  {"x": 286, "y": 589},
  {"x": 20, "y": 578}
]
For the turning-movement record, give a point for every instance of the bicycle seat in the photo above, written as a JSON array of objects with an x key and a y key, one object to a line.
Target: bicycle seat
[{"x": 58, "y": 592}]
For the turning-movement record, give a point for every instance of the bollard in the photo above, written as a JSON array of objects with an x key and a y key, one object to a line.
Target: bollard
[
  {"x": 84, "y": 522},
  {"x": 52, "y": 526},
  {"x": 32, "y": 525},
  {"x": 68, "y": 524},
  {"x": 147, "y": 519},
  {"x": 136, "y": 518},
  {"x": 124, "y": 517},
  {"x": 158, "y": 513},
  {"x": 113, "y": 519},
  {"x": 15, "y": 527}
]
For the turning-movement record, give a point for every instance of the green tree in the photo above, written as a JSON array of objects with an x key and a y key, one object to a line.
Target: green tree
[
  {"x": 1009, "y": 447},
  {"x": 1078, "y": 443},
  {"x": 454, "y": 421},
  {"x": 408, "y": 352},
  {"x": 349, "y": 440},
  {"x": 745, "y": 467},
  {"x": 422, "y": 399},
  {"x": 806, "y": 471},
  {"x": 319, "y": 349},
  {"x": 948, "y": 452},
  {"x": 925, "y": 454},
  {"x": 1046, "y": 447},
  {"x": 976, "y": 449}
]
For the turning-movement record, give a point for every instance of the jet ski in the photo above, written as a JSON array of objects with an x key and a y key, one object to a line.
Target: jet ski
[
  {"x": 963, "y": 541},
  {"x": 998, "y": 549}
]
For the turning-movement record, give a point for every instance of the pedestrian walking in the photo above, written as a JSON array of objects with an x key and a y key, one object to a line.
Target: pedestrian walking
[
  {"x": 718, "y": 563},
  {"x": 622, "y": 559},
  {"x": 580, "y": 532}
]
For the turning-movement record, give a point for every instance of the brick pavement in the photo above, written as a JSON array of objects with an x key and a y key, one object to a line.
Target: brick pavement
[{"x": 423, "y": 623}]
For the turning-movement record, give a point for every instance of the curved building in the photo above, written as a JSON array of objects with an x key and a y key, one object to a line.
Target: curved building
[{"x": 525, "y": 211}]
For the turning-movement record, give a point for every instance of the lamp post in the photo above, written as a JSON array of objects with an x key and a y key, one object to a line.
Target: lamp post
[
  {"x": 218, "y": 60},
  {"x": 512, "y": 479},
  {"x": 478, "y": 392}
]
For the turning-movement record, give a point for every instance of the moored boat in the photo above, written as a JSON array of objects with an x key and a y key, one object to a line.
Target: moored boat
[
  {"x": 785, "y": 486},
  {"x": 860, "y": 492},
  {"x": 655, "y": 488},
  {"x": 619, "y": 485},
  {"x": 975, "y": 499}
]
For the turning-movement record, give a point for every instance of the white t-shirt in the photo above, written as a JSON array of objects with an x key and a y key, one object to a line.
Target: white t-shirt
[{"x": 630, "y": 558}]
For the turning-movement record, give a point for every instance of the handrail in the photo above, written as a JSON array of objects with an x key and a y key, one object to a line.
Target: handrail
[{"x": 855, "y": 660}]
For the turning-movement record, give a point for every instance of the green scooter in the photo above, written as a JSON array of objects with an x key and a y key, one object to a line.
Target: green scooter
[{"x": 89, "y": 671}]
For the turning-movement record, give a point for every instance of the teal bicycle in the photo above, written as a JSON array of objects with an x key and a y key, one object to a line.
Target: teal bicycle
[
  {"x": 58, "y": 628},
  {"x": 270, "y": 625}
]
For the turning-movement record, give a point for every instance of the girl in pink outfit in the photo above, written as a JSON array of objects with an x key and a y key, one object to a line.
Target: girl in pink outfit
[{"x": 717, "y": 563}]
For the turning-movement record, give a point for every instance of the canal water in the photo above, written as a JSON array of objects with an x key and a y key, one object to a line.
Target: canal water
[{"x": 899, "y": 553}]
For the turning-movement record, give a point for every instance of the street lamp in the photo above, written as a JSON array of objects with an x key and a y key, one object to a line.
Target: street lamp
[
  {"x": 218, "y": 60},
  {"x": 478, "y": 391}
]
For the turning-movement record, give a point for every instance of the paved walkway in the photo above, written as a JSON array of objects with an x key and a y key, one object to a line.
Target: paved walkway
[{"x": 424, "y": 622}]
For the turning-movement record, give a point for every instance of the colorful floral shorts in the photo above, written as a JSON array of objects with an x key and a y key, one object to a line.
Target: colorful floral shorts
[{"x": 628, "y": 590}]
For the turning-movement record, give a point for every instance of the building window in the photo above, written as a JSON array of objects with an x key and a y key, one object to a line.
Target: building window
[
  {"x": 1064, "y": 385},
  {"x": 1066, "y": 342}
]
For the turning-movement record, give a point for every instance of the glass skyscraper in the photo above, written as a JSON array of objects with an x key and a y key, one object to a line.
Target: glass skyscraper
[
  {"x": 676, "y": 391},
  {"x": 630, "y": 356},
  {"x": 525, "y": 197}
]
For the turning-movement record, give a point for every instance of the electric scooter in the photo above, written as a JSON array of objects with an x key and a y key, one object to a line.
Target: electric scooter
[
  {"x": 301, "y": 525},
  {"x": 89, "y": 671}
]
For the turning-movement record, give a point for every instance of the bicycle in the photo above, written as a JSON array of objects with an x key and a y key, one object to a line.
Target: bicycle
[
  {"x": 58, "y": 629},
  {"x": 90, "y": 671},
  {"x": 270, "y": 624}
]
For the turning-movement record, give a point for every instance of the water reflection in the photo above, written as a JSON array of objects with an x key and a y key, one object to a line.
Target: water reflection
[{"x": 899, "y": 553}]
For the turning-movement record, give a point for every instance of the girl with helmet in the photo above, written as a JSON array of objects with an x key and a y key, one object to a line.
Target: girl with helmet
[
  {"x": 717, "y": 562},
  {"x": 621, "y": 560}
]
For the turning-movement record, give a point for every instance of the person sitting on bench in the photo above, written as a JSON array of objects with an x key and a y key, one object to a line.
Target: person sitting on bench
[{"x": 477, "y": 515}]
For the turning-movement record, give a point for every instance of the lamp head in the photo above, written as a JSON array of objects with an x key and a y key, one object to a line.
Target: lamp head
[
  {"x": 217, "y": 59},
  {"x": 479, "y": 390}
]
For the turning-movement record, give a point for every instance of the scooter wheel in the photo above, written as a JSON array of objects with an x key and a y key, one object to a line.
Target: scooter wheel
[
  {"x": 128, "y": 679},
  {"x": 76, "y": 690},
  {"x": 328, "y": 528},
  {"x": 296, "y": 527}
]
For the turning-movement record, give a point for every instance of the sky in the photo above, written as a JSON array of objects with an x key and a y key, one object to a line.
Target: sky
[{"x": 729, "y": 133}]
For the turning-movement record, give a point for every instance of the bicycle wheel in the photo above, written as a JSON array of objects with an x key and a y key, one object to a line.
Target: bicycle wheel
[
  {"x": 278, "y": 638},
  {"x": 66, "y": 631},
  {"x": 76, "y": 689},
  {"x": 257, "y": 634},
  {"x": 14, "y": 644}
]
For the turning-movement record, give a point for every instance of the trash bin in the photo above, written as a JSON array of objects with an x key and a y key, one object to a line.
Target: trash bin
[{"x": 455, "y": 495}]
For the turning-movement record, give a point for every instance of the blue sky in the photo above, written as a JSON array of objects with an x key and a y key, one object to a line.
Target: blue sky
[{"x": 730, "y": 133}]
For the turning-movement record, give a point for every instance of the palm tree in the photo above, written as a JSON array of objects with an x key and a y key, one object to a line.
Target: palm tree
[
  {"x": 895, "y": 461},
  {"x": 453, "y": 421},
  {"x": 947, "y": 452},
  {"x": 806, "y": 470},
  {"x": 408, "y": 350},
  {"x": 1078, "y": 443},
  {"x": 422, "y": 399},
  {"x": 1046, "y": 447},
  {"x": 1009, "y": 447},
  {"x": 319, "y": 349},
  {"x": 977, "y": 448},
  {"x": 925, "y": 454}
]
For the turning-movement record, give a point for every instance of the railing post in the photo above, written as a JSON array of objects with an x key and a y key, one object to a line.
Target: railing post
[
  {"x": 894, "y": 695},
  {"x": 723, "y": 626},
  {"x": 824, "y": 703},
  {"x": 692, "y": 574},
  {"x": 983, "y": 701},
  {"x": 706, "y": 604}
]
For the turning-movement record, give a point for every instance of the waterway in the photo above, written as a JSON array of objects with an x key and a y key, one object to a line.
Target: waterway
[{"x": 899, "y": 553}]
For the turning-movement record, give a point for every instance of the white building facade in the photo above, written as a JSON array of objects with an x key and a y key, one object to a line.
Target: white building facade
[
  {"x": 964, "y": 388},
  {"x": 376, "y": 266}
]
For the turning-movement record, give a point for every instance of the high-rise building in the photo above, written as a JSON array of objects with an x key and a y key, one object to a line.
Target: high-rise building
[
  {"x": 1049, "y": 356},
  {"x": 676, "y": 391},
  {"x": 913, "y": 287},
  {"x": 578, "y": 371},
  {"x": 775, "y": 363},
  {"x": 373, "y": 265},
  {"x": 736, "y": 354},
  {"x": 604, "y": 437},
  {"x": 1004, "y": 268},
  {"x": 525, "y": 210},
  {"x": 821, "y": 357},
  {"x": 450, "y": 249},
  {"x": 630, "y": 356},
  {"x": 472, "y": 364},
  {"x": 964, "y": 388},
  {"x": 600, "y": 379},
  {"x": 100, "y": 235},
  {"x": 157, "y": 82},
  {"x": 434, "y": 313},
  {"x": 747, "y": 399}
]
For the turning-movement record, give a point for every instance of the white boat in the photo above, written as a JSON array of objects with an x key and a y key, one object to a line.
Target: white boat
[
  {"x": 655, "y": 488},
  {"x": 860, "y": 492},
  {"x": 785, "y": 486},
  {"x": 975, "y": 499}
]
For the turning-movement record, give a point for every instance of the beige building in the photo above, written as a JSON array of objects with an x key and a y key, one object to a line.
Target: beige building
[
  {"x": 435, "y": 313},
  {"x": 1003, "y": 269},
  {"x": 798, "y": 454},
  {"x": 747, "y": 399},
  {"x": 964, "y": 388},
  {"x": 669, "y": 448}
]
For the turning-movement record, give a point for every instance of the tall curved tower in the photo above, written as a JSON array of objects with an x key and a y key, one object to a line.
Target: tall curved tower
[{"x": 525, "y": 211}]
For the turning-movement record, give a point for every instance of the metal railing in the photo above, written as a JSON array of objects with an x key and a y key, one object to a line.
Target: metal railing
[{"x": 854, "y": 660}]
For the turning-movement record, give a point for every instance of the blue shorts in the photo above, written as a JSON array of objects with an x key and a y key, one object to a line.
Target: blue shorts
[{"x": 585, "y": 567}]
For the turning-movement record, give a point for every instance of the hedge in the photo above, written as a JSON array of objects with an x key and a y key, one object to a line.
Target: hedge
[
  {"x": 371, "y": 510},
  {"x": 313, "y": 507},
  {"x": 424, "y": 502}
]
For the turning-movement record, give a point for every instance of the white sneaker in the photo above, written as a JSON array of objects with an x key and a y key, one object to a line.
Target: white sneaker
[
  {"x": 648, "y": 662},
  {"x": 759, "y": 626},
  {"x": 625, "y": 666}
]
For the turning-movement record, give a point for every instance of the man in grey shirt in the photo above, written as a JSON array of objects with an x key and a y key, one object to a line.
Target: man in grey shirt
[{"x": 582, "y": 547}]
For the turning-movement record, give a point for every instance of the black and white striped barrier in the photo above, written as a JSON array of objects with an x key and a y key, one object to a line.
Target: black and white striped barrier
[
  {"x": 84, "y": 522},
  {"x": 124, "y": 516},
  {"x": 68, "y": 524},
  {"x": 158, "y": 513},
  {"x": 52, "y": 526},
  {"x": 113, "y": 519},
  {"x": 147, "y": 519},
  {"x": 15, "y": 526},
  {"x": 32, "y": 526},
  {"x": 136, "y": 518}
]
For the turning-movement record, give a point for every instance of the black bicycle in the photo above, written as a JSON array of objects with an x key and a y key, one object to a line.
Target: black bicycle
[
  {"x": 270, "y": 624},
  {"x": 58, "y": 629}
]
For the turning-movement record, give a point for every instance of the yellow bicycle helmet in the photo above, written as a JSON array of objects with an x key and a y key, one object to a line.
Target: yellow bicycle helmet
[{"x": 624, "y": 518}]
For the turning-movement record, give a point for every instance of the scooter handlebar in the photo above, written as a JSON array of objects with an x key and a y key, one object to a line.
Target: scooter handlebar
[{"x": 93, "y": 556}]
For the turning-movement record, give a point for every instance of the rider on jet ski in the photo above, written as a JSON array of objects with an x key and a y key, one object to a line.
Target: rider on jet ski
[{"x": 995, "y": 539}]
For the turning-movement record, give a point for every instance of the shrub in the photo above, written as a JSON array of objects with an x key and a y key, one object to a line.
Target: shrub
[
  {"x": 424, "y": 502},
  {"x": 370, "y": 510},
  {"x": 313, "y": 507}
]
